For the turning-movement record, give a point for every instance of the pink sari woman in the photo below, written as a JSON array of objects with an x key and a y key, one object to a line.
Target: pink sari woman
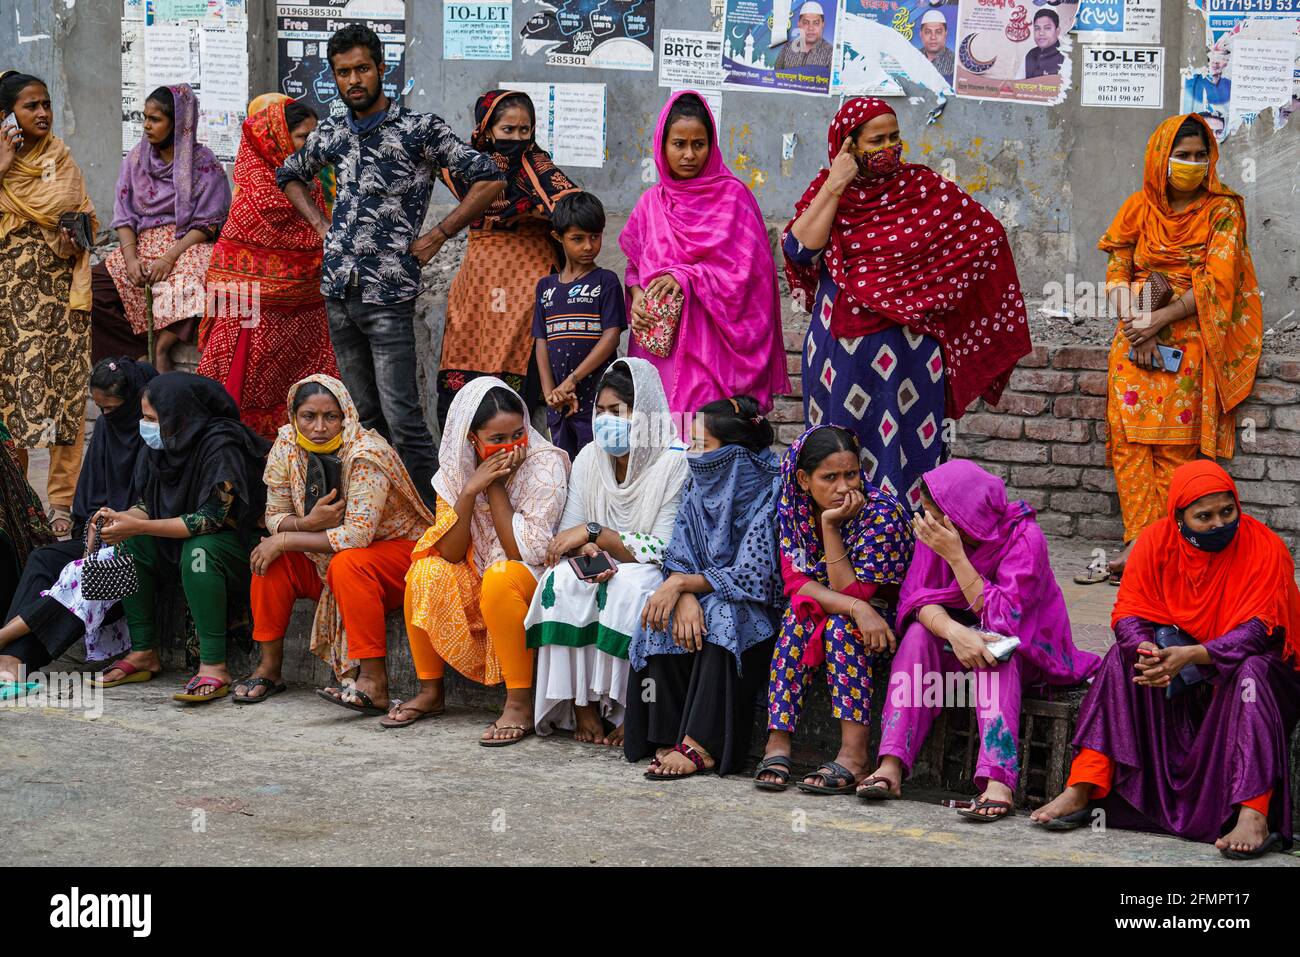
[{"x": 699, "y": 233}]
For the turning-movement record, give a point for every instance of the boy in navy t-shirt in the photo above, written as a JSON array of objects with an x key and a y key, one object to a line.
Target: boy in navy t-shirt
[{"x": 577, "y": 322}]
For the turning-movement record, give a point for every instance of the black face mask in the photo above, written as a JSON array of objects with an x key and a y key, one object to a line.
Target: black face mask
[
  {"x": 512, "y": 150},
  {"x": 1215, "y": 540}
]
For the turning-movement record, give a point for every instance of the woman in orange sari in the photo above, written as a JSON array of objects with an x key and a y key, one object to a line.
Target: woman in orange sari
[
  {"x": 265, "y": 327},
  {"x": 1177, "y": 372}
]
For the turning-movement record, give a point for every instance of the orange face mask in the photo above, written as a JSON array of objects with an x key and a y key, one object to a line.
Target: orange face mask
[{"x": 487, "y": 451}]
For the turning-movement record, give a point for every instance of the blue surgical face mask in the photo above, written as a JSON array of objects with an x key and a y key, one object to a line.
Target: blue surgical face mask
[
  {"x": 1215, "y": 540},
  {"x": 613, "y": 434},
  {"x": 152, "y": 434}
]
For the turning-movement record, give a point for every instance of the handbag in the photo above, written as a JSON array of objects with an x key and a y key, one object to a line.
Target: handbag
[
  {"x": 108, "y": 579},
  {"x": 79, "y": 225},
  {"x": 1155, "y": 293},
  {"x": 665, "y": 313},
  {"x": 324, "y": 475},
  {"x": 1171, "y": 636}
]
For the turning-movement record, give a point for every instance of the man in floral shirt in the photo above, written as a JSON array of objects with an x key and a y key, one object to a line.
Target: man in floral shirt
[{"x": 387, "y": 159}]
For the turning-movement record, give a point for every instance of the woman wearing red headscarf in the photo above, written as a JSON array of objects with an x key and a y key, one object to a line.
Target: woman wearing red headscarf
[
  {"x": 1186, "y": 726},
  {"x": 916, "y": 307},
  {"x": 258, "y": 347}
]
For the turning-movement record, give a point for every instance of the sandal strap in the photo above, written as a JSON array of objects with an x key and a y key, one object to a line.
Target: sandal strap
[
  {"x": 839, "y": 774},
  {"x": 203, "y": 681},
  {"x": 692, "y": 754},
  {"x": 360, "y": 696}
]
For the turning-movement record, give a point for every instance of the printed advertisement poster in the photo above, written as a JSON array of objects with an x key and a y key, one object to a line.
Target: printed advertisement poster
[
  {"x": 1208, "y": 94},
  {"x": 609, "y": 34},
  {"x": 302, "y": 31},
  {"x": 477, "y": 31},
  {"x": 133, "y": 91},
  {"x": 690, "y": 58},
  {"x": 1118, "y": 21},
  {"x": 1221, "y": 16},
  {"x": 1013, "y": 51},
  {"x": 1262, "y": 78},
  {"x": 713, "y": 98},
  {"x": 570, "y": 120},
  {"x": 914, "y": 40},
  {"x": 779, "y": 45},
  {"x": 1123, "y": 76}
]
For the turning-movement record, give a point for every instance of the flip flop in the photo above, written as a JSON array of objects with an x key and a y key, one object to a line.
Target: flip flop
[
  {"x": 388, "y": 721},
  {"x": 838, "y": 778},
  {"x": 1068, "y": 822},
  {"x": 687, "y": 751},
  {"x": 777, "y": 764},
  {"x": 504, "y": 742},
  {"x": 191, "y": 696},
  {"x": 130, "y": 675},
  {"x": 272, "y": 688},
  {"x": 363, "y": 703},
  {"x": 871, "y": 790},
  {"x": 17, "y": 689},
  {"x": 1092, "y": 576},
  {"x": 973, "y": 813},
  {"x": 1271, "y": 843}
]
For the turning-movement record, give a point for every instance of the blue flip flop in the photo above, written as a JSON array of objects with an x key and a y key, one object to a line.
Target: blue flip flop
[{"x": 17, "y": 689}]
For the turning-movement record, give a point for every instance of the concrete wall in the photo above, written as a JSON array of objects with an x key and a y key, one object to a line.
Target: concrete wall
[{"x": 1053, "y": 175}]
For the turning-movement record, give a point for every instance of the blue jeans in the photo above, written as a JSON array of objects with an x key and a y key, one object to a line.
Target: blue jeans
[{"x": 375, "y": 349}]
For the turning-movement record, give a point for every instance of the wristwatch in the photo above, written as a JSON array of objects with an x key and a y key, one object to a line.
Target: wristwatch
[{"x": 593, "y": 532}]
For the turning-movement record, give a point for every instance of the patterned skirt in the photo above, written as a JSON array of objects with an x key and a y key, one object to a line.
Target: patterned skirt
[
  {"x": 182, "y": 295},
  {"x": 44, "y": 345},
  {"x": 887, "y": 388}
]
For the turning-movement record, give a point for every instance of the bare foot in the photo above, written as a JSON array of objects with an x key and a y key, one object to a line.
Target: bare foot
[
  {"x": 1250, "y": 832},
  {"x": 996, "y": 791},
  {"x": 519, "y": 713},
  {"x": 427, "y": 701},
  {"x": 10, "y": 668},
  {"x": 615, "y": 738},
  {"x": 1116, "y": 566},
  {"x": 590, "y": 729},
  {"x": 891, "y": 769},
  {"x": 1072, "y": 799},
  {"x": 675, "y": 764}
]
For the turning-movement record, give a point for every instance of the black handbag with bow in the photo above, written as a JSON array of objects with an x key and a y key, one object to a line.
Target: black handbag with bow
[{"x": 111, "y": 579}]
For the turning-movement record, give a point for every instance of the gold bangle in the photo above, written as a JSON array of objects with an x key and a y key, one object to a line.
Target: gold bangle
[{"x": 829, "y": 562}]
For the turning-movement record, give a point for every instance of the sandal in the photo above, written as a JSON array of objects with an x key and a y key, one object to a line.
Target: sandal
[
  {"x": 777, "y": 764},
  {"x": 838, "y": 778},
  {"x": 973, "y": 812},
  {"x": 1092, "y": 576},
  {"x": 504, "y": 742},
  {"x": 130, "y": 675},
  {"x": 60, "y": 513},
  {"x": 388, "y": 721},
  {"x": 877, "y": 789},
  {"x": 191, "y": 696},
  {"x": 363, "y": 703},
  {"x": 1271, "y": 843},
  {"x": 17, "y": 689},
  {"x": 695, "y": 757},
  {"x": 249, "y": 683},
  {"x": 1068, "y": 822}
]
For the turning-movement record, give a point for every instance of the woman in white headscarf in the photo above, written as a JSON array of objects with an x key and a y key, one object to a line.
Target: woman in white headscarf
[
  {"x": 501, "y": 489},
  {"x": 623, "y": 498}
]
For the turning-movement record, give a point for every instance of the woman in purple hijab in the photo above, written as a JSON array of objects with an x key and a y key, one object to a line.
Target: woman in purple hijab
[
  {"x": 980, "y": 570},
  {"x": 697, "y": 245},
  {"x": 172, "y": 197}
]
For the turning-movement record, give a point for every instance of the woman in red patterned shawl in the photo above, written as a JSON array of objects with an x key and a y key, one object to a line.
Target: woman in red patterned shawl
[{"x": 265, "y": 326}]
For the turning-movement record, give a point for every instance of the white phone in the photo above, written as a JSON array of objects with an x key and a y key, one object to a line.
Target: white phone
[{"x": 12, "y": 120}]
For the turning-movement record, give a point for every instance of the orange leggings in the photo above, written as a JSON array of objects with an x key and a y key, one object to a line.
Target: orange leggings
[
  {"x": 1142, "y": 476},
  {"x": 65, "y": 468},
  {"x": 507, "y": 591},
  {"x": 1093, "y": 767},
  {"x": 367, "y": 584}
]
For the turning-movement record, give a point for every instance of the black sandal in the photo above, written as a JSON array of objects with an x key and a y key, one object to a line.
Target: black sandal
[
  {"x": 1068, "y": 822},
  {"x": 973, "y": 812},
  {"x": 838, "y": 778},
  {"x": 777, "y": 764},
  {"x": 687, "y": 751},
  {"x": 363, "y": 703},
  {"x": 249, "y": 683},
  {"x": 877, "y": 789},
  {"x": 1271, "y": 843}
]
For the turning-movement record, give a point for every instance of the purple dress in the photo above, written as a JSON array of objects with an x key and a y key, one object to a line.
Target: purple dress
[{"x": 1181, "y": 764}]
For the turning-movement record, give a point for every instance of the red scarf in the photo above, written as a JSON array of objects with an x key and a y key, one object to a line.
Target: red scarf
[
  {"x": 1168, "y": 580},
  {"x": 915, "y": 250}
]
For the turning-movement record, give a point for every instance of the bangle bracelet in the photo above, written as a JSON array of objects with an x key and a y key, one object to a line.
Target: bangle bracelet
[
  {"x": 445, "y": 234},
  {"x": 830, "y": 562},
  {"x": 856, "y": 602}
]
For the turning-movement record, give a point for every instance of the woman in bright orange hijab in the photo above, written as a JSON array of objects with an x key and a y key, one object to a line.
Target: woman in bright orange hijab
[
  {"x": 1186, "y": 230},
  {"x": 1186, "y": 728}
]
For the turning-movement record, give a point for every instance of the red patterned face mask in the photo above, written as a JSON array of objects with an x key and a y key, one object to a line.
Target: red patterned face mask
[{"x": 882, "y": 161}]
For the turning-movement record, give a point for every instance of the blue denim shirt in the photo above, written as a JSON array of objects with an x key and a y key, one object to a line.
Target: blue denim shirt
[{"x": 385, "y": 177}]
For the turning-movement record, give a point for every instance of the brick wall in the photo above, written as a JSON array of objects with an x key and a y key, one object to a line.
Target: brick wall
[{"x": 1047, "y": 439}]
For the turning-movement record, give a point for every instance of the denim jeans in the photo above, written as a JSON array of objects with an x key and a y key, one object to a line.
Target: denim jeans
[{"x": 375, "y": 349}]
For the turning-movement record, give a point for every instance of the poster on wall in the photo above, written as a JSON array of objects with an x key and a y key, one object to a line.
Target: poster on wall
[
  {"x": 1262, "y": 78},
  {"x": 477, "y": 31},
  {"x": 690, "y": 58},
  {"x": 1118, "y": 21},
  {"x": 609, "y": 34},
  {"x": 133, "y": 90},
  {"x": 1123, "y": 77},
  {"x": 1014, "y": 52},
  {"x": 303, "y": 30},
  {"x": 913, "y": 40},
  {"x": 570, "y": 120},
  {"x": 779, "y": 45}
]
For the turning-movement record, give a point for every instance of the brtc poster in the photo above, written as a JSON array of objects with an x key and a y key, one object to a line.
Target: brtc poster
[
  {"x": 303, "y": 30},
  {"x": 1014, "y": 50},
  {"x": 609, "y": 34}
]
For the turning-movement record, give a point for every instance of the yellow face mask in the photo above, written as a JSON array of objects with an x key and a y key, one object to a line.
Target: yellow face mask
[
  {"x": 320, "y": 448},
  {"x": 1184, "y": 176}
]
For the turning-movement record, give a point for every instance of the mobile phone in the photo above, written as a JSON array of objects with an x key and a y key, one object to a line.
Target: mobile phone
[
  {"x": 588, "y": 567},
  {"x": 1170, "y": 358},
  {"x": 12, "y": 120}
]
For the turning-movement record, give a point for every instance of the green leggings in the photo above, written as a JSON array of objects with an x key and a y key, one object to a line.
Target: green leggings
[{"x": 210, "y": 565}]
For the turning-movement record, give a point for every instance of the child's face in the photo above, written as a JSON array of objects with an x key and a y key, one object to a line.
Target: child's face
[{"x": 579, "y": 245}]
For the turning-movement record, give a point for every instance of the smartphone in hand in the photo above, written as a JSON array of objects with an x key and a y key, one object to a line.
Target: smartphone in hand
[{"x": 589, "y": 567}]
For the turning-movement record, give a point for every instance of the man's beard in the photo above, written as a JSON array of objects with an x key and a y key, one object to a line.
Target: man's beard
[{"x": 370, "y": 100}]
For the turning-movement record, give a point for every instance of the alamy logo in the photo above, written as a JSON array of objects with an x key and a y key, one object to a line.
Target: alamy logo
[{"x": 75, "y": 910}]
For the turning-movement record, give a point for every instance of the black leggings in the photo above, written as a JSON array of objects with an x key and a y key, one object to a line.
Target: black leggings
[{"x": 54, "y": 629}]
